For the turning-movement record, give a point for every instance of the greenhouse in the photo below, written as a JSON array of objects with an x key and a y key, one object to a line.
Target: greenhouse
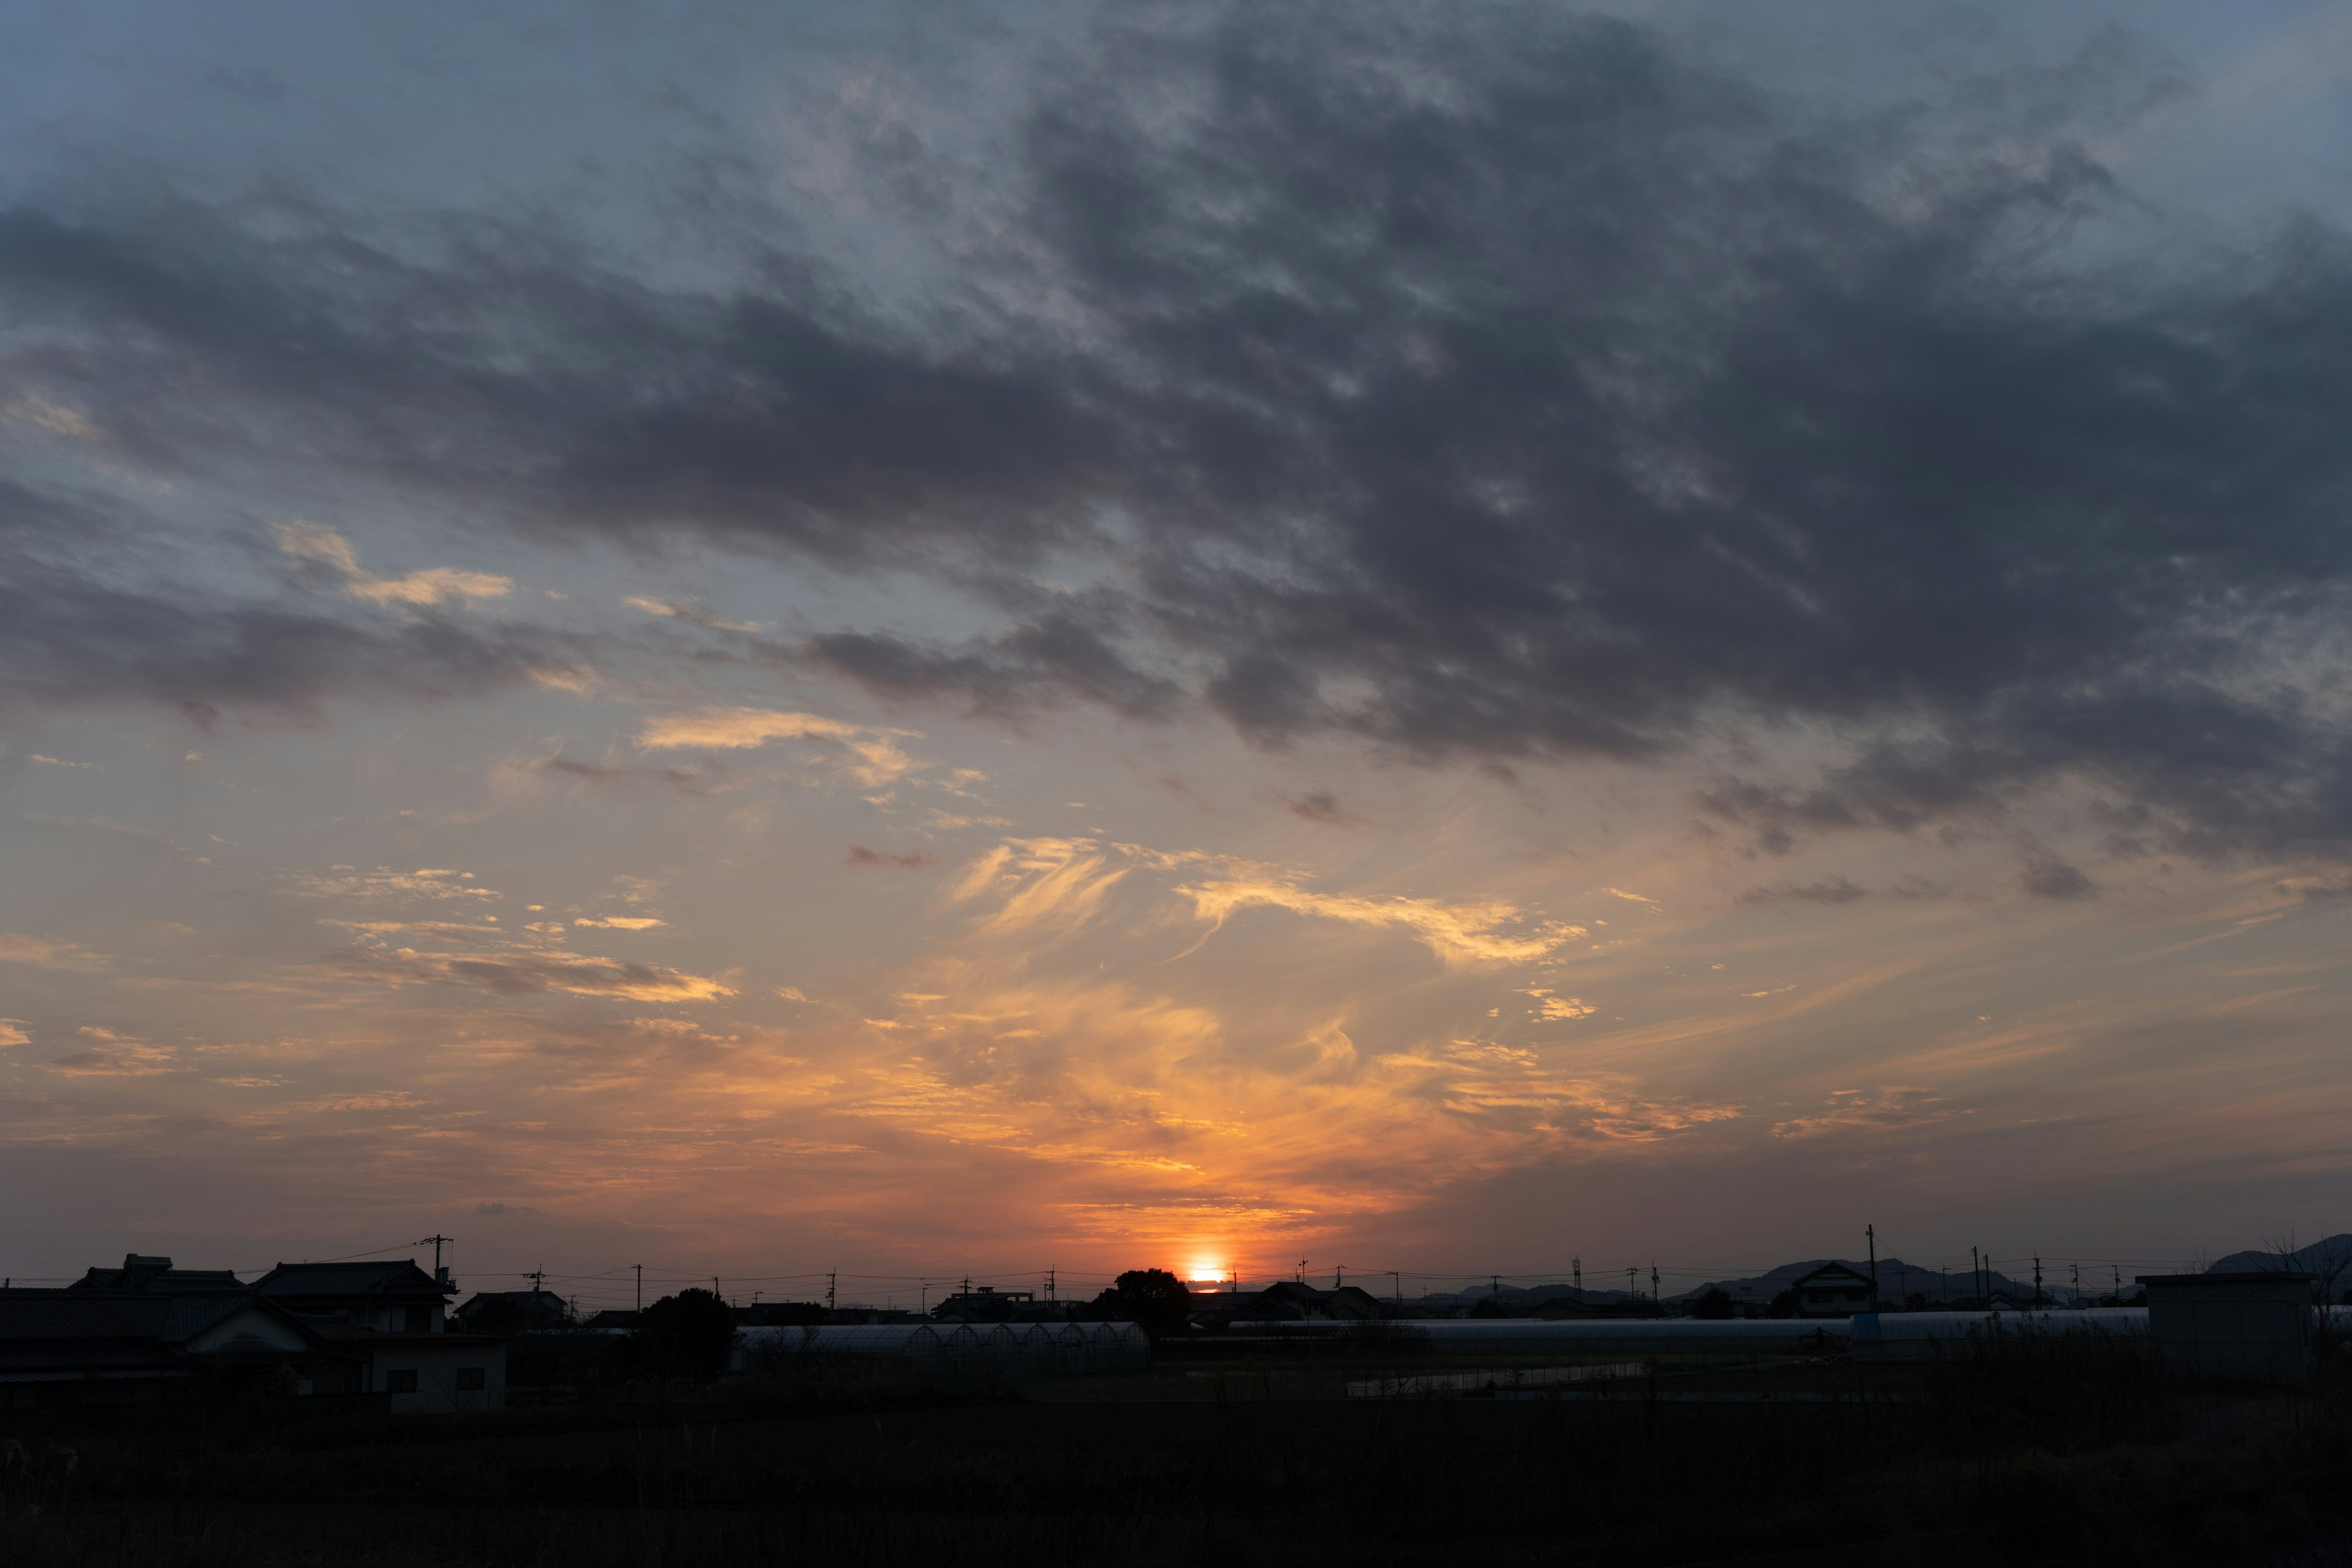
[
  {"x": 1537, "y": 1336},
  {"x": 1015, "y": 1351}
]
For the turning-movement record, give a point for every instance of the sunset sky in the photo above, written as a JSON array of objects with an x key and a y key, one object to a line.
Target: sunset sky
[{"x": 916, "y": 639}]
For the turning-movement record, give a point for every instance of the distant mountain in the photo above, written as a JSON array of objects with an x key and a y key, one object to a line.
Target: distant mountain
[
  {"x": 1896, "y": 1280},
  {"x": 2332, "y": 1257}
]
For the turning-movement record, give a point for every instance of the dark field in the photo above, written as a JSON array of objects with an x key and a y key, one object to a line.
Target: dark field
[{"x": 2083, "y": 1458}]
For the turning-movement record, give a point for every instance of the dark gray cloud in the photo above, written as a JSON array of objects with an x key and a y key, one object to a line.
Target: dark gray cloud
[
  {"x": 2047, "y": 877},
  {"x": 1835, "y": 890},
  {"x": 912, "y": 860},
  {"x": 1056, "y": 659},
  {"x": 1481, "y": 381},
  {"x": 688, "y": 781},
  {"x": 1316, "y": 805},
  {"x": 80, "y": 622}
]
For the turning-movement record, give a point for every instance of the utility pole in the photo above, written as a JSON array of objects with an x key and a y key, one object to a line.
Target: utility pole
[
  {"x": 538, "y": 1277},
  {"x": 1976, "y": 1276},
  {"x": 2119, "y": 1282},
  {"x": 2077, "y": 1274},
  {"x": 1631, "y": 1293},
  {"x": 1338, "y": 1275},
  {"x": 1496, "y": 1280},
  {"x": 1302, "y": 1272},
  {"x": 829, "y": 1291},
  {"x": 1578, "y": 1264},
  {"x": 1049, "y": 1286},
  {"x": 437, "y": 1242},
  {"x": 2037, "y": 1282},
  {"x": 640, "y": 1284},
  {"x": 1872, "y": 1232},
  {"x": 1654, "y": 1294}
]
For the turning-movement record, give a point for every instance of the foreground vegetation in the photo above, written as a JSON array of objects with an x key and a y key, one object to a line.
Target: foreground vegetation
[{"x": 2031, "y": 1453}]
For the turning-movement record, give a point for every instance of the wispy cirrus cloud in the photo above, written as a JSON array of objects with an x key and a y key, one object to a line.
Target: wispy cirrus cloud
[
  {"x": 1894, "y": 1108},
  {"x": 384, "y": 884},
  {"x": 692, "y": 614},
  {"x": 109, "y": 1055},
  {"x": 526, "y": 974},
  {"x": 322, "y": 546},
  {"x": 874, "y": 757},
  {"x": 1458, "y": 933},
  {"x": 54, "y": 418},
  {"x": 41, "y": 952}
]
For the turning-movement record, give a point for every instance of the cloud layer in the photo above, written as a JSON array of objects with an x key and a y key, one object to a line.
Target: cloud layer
[{"x": 1481, "y": 381}]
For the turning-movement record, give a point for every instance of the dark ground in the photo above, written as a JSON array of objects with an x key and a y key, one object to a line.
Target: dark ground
[{"x": 2029, "y": 1457}]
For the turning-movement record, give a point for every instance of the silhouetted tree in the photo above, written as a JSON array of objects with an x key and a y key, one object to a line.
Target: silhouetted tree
[
  {"x": 690, "y": 1334},
  {"x": 1152, "y": 1298},
  {"x": 1715, "y": 1303},
  {"x": 1784, "y": 1305}
]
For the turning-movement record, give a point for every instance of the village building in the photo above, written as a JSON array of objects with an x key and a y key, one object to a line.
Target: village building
[
  {"x": 79, "y": 1347},
  {"x": 391, "y": 1297},
  {"x": 984, "y": 1304},
  {"x": 155, "y": 1274},
  {"x": 513, "y": 1313},
  {"x": 1832, "y": 1290},
  {"x": 1288, "y": 1301},
  {"x": 149, "y": 1333}
]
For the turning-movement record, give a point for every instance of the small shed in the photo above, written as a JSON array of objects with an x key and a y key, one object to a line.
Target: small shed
[{"x": 2232, "y": 1328}]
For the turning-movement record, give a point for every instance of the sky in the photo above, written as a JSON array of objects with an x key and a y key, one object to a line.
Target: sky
[{"x": 919, "y": 641}]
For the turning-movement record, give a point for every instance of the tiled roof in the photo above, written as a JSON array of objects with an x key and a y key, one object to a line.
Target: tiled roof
[
  {"x": 80, "y": 1314},
  {"x": 168, "y": 1279},
  {"x": 401, "y": 1277}
]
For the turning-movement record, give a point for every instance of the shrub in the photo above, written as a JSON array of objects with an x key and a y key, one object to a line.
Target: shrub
[
  {"x": 1152, "y": 1298},
  {"x": 690, "y": 1334}
]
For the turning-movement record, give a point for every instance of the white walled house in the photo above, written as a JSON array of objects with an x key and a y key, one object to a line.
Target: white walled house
[{"x": 431, "y": 1373}]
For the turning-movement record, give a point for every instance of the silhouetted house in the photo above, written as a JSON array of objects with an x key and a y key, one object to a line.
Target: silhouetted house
[
  {"x": 390, "y": 1298},
  {"x": 779, "y": 1314},
  {"x": 81, "y": 1347},
  {"x": 512, "y": 1312},
  {"x": 984, "y": 1304},
  {"x": 1289, "y": 1301},
  {"x": 854, "y": 1315},
  {"x": 156, "y": 1274},
  {"x": 1832, "y": 1290},
  {"x": 303, "y": 1329}
]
